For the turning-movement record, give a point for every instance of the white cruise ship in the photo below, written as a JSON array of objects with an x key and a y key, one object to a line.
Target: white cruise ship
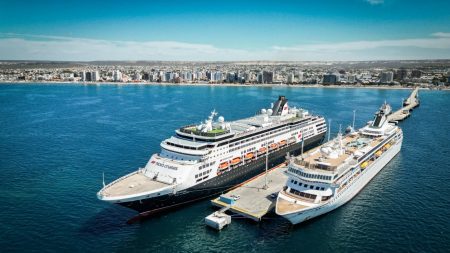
[
  {"x": 331, "y": 175},
  {"x": 206, "y": 159}
]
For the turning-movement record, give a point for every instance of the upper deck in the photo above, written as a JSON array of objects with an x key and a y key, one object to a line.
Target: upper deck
[
  {"x": 192, "y": 129},
  {"x": 338, "y": 152}
]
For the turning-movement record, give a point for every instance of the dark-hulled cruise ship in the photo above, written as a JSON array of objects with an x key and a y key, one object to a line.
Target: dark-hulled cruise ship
[{"x": 206, "y": 159}]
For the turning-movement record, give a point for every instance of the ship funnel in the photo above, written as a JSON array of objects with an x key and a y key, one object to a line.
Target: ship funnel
[{"x": 280, "y": 106}]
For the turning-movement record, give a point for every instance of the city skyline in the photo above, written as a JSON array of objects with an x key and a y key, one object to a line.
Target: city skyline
[{"x": 232, "y": 31}]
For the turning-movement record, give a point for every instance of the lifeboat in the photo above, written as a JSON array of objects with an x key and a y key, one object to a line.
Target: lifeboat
[
  {"x": 235, "y": 160},
  {"x": 273, "y": 146},
  {"x": 249, "y": 156},
  {"x": 378, "y": 153},
  {"x": 262, "y": 150},
  {"x": 223, "y": 165},
  {"x": 387, "y": 146},
  {"x": 291, "y": 140},
  {"x": 364, "y": 165},
  {"x": 282, "y": 143}
]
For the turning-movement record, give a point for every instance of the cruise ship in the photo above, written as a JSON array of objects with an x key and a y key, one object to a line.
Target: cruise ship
[
  {"x": 328, "y": 176},
  {"x": 202, "y": 160}
]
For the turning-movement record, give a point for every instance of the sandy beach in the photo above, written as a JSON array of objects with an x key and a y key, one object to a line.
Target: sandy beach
[{"x": 387, "y": 87}]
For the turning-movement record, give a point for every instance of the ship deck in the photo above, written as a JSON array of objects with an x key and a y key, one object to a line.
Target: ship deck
[
  {"x": 135, "y": 183},
  {"x": 284, "y": 206},
  {"x": 315, "y": 157}
]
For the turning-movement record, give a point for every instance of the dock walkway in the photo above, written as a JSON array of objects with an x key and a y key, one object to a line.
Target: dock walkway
[{"x": 411, "y": 102}]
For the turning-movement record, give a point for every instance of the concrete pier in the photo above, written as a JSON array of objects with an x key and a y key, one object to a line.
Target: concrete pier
[
  {"x": 252, "y": 199},
  {"x": 409, "y": 104}
]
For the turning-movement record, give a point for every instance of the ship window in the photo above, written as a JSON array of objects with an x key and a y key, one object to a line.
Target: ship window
[
  {"x": 306, "y": 186},
  {"x": 322, "y": 189},
  {"x": 300, "y": 184},
  {"x": 292, "y": 181},
  {"x": 324, "y": 198},
  {"x": 317, "y": 187},
  {"x": 295, "y": 182},
  {"x": 311, "y": 187}
]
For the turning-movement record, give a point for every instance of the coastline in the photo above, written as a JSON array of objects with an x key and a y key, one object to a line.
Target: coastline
[{"x": 384, "y": 87}]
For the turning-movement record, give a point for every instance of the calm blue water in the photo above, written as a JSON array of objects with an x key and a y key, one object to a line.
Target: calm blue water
[{"x": 56, "y": 140}]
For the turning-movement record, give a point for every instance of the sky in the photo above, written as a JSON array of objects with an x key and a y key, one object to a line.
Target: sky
[{"x": 197, "y": 30}]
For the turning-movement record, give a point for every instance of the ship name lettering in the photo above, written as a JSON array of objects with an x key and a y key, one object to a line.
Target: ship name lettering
[{"x": 166, "y": 166}]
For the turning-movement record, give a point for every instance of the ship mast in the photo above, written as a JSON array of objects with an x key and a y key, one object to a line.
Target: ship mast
[
  {"x": 266, "y": 186},
  {"x": 354, "y": 116},
  {"x": 329, "y": 129}
]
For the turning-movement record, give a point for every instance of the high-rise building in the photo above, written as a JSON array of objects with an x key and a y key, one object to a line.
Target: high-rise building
[
  {"x": 246, "y": 76},
  {"x": 83, "y": 75},
  {"x": 259, "y": 78},
  {"x": 400, "y": 74},
  {"x": 300, "y": 76},
  {"x": 351, "y": 78},
  {"x": 199, "y": 75},
  {"x": 416, "y": 73},
  {"x": 218, "y": 76},
  {"x": 267, "y": 77},
  {"x": 231, "y": 77},
  {"x": 137, "y": 77},
  {"x": 88, "y": 76},
  {"x": 290, "y": 78},
  {"x": 387, "y": 77},
  {"x": 330, "y": 78},
  {"x": 117, "y": 76},
  {"x": 168, "y": 77},
  {"x": 162, "y": 77},
  {"x": 189, "y": 76},
  {"x": 95, "y": 76}
]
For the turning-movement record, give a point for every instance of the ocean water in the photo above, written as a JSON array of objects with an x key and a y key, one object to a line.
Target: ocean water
[{"x": 57, "y": 140}]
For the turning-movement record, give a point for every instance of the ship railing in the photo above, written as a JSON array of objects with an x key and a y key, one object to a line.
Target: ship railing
[
  {"x": 257, "y": 129},
  {"x": 189, "y": 130},
  {"x": 121, "y": 179},
  {"x": 308, "y": 165}
]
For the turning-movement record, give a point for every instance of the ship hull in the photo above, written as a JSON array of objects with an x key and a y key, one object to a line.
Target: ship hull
[
  {"x": 355, "y": 187},
  {"x": 221, "y": 182}
]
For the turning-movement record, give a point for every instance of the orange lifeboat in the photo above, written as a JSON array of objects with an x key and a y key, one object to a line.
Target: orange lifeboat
[
  {"x": 235, "y": 160},
  {"x": 282, "y": 143},
  {"x": 273, "y": 146},
  {"x": 262, "y": 150},
  {"x": 249, "y": 156},
  {"x": 223, "y": 165}
]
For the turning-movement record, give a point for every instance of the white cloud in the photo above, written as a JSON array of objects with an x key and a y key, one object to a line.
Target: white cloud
[
  {"x": 19, "y": 46},
  {"x": 375, "y": 2},
  {"x": 430, "y": 43},
  {"x": 441, "y": 34},
  {"x": 41, "y": 47}
]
